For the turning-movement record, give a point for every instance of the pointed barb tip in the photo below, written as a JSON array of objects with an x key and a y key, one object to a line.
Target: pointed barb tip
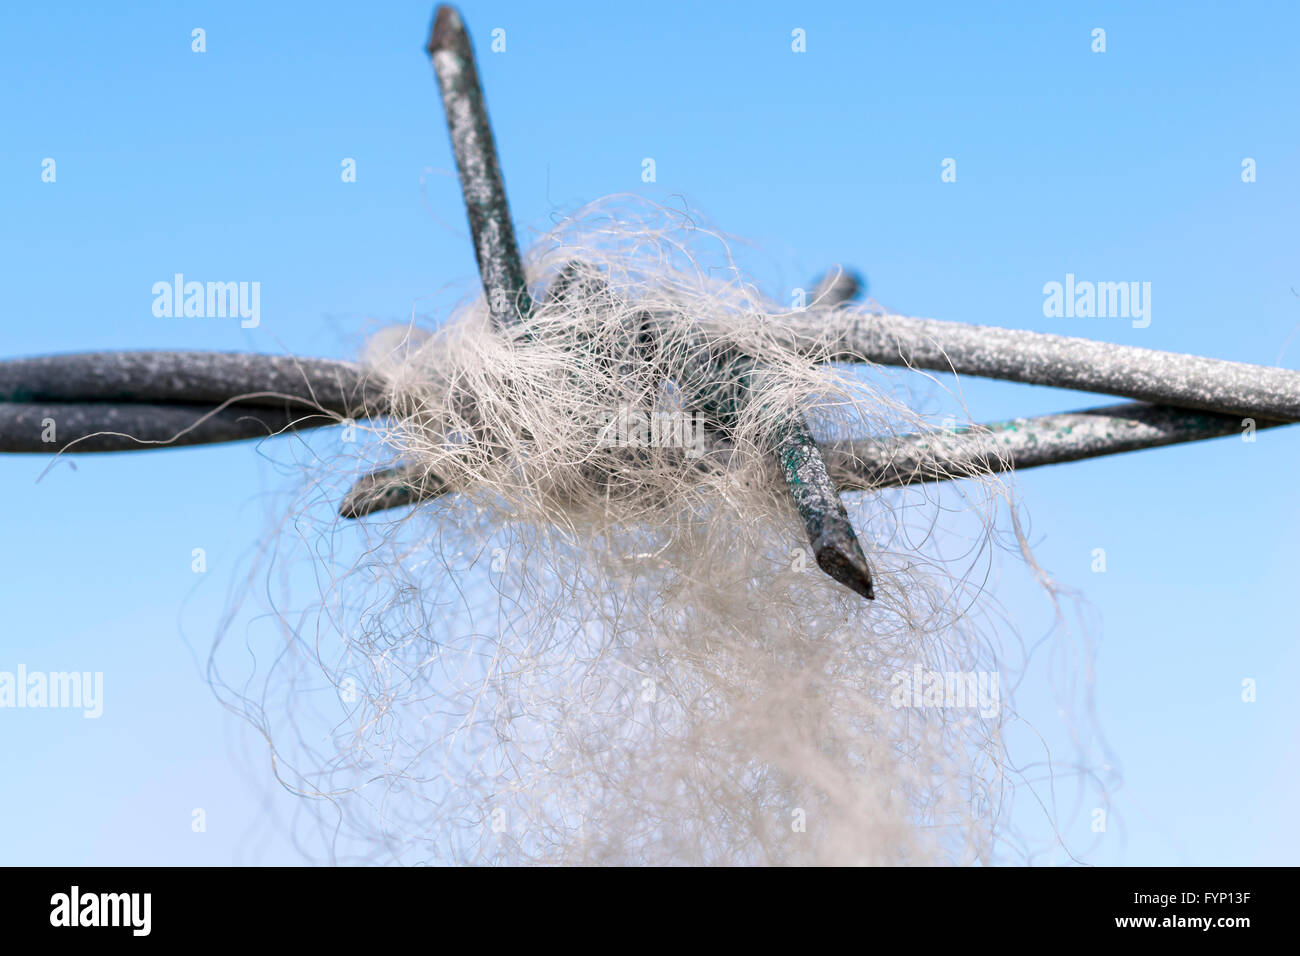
[{"x": 448, "y": 31}]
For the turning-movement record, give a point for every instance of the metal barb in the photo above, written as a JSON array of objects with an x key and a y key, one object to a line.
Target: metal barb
[
  {"x": 722, "y": 386},
  {"x": 499, "y": 263},
  {"x": 835, "y": 545},
  {"x": 500, "y": 267},
  {"x": 839, "y": 286},
  {"x": 390, "y": 488}
]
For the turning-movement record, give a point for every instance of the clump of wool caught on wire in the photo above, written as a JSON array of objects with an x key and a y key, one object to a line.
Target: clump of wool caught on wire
[{"x": 599, "y": 635}]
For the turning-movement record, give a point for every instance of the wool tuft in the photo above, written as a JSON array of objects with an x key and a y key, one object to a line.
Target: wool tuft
[{"x": 608, "y": 642}]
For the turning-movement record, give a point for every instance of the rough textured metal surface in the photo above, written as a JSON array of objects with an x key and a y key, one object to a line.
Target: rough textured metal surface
[
  {"x": 865, "y": 464},
  {"x": 140, "y": 426},
  {"x": 1037, "y": 358},
  {"x": 195, "y": 378},
  {"x": 499, "y": 263},
  {"x": 721, "y": 385},
  {"x": 389, "y": 488},
  {"x": 834, "y": 543},
  {"x": 837, "y": 287}
]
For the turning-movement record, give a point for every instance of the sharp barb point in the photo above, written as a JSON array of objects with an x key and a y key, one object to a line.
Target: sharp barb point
[
  {"x": 447, "y": 29},
  {"x": 482, "y": 186}
]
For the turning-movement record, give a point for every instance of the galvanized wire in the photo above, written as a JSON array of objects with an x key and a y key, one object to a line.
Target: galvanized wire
[{"x": 1037, "y": 358}]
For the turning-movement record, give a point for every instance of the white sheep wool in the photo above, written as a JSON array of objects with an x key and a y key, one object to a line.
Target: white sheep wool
[{"x": 608, "y": 641}]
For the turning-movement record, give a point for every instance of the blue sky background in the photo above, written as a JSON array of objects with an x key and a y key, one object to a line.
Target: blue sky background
[{"x": 1117, "y": 166}]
